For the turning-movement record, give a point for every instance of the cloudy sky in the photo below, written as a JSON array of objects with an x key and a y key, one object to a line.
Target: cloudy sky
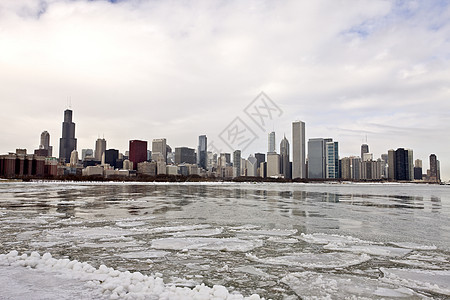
[{"x": 178, "y": 69}]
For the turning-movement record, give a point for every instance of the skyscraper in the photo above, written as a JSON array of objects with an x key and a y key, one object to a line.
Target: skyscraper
[
  {"x": 237, "y": 163},
  {"x": 418, "y": 169},
  {"x": 332, "y": 159},
  {"x": 285, "y": 165},
  {"x": 111, "y": 157},
  {"x": 364, "y": 149},
  {"x": 45, "y": 143},
  {"x": 184, "y": 155},
  {"x": 202, "y": 152},
  {"x": 401, "y": 164},
  {"x": 271, "y": 142},
  {"x": 317, "y": 158},
  {"x": 68, "y": 142},
  {"x": 298, "y": 150},
  {"x": 159, "y": 150},
  {"x": 138, "y": 152},
  {"x": 100, "y": 148},
  {"x": 434, "y": 172}
]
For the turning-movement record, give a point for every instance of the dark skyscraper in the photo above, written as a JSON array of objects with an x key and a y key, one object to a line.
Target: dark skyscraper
[
  {"x": 434, "y": 170},
  {"x": 68, "y": 142},
  {"x": 111, "y": 157},
  {"x": 364, "y": 149},
  {"x": 403, "y": 164},
  {"x": 285, "y": 166},
  {"x": 138, "y": 152},
  {"x": 202, "y": 155}
]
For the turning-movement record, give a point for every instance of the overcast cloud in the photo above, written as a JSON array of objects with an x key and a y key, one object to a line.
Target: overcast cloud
[{"x": 179, "y": 69}]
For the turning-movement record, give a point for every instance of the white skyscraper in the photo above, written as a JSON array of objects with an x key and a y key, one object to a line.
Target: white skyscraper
[
  {"x": 271, "y": 142},
  {"x": 100, "y": 148},
  {"x": 298, "y": 150}
]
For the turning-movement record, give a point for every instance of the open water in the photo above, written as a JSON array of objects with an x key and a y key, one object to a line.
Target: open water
[{"x": 281, "y": 241}]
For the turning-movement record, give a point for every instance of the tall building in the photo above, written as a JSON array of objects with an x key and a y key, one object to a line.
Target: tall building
[
  {"x": 418, "y": 173},
  {"x": 237, "y": 163},
  {"x": 434, "y": 169},
  {"x": 252, "y": 166},
  {"x": 45, "y": 143},
  {"x": 271, "y": 142},
  {"x": 317, "y": 155},
  {"x": 185, "y": 155},
  {"x": 137, "y": 153},
  {"x": 332, "y": 159},
  {"x": 86, "y": 153},
  {"x": 260, "y": 158},
  {"x": 159, "y": 149},
  {"x": 111, "y": 157},
  {"x": 74, "y": 158},
  {"x": 202, "y": 152},
  {"x": 400, "y": 164},
  {"x": 273, "y": 165},
  {"x": 68, "y": 142},
  {"x": 298, "y": 150},
  {"x": 285, "y": 164},
  {"x": 100, "y": 148},
  {"x": 364, "y": 149}
]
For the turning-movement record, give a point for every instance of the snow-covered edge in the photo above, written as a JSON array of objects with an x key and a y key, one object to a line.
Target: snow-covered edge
[{"x": 114, "y": 284}]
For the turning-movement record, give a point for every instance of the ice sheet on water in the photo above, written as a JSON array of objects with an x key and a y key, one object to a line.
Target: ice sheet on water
[
  {"x": 178, "y": 228},
  {"x": 314, "y": 260},
  {"x": 198, "y": 232},
  {"x": 130, "y": 224},
  {"x": 89, "y": 233},
  {"x": 273, "y": 232},
  {"x": 206, "y": 243},
  {"x": 144, "y": 254},
  {"x": 416, "y": 264},
  {"x": 71, "y": 279},
  {"x": 324, "y": 239},
  {"x": 414, "y": 246},
  {"x": 312, "y": 285},
  {"x": 282, "y": 240},
  {"x": 436, "y": 281},
  {"x": 370, "y": 249}
]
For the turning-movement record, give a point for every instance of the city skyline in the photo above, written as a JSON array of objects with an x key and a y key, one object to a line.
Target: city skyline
[{"x": 178, "y": 76}]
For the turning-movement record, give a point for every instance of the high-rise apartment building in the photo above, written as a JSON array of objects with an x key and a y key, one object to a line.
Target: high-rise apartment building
[
  {"x": 137, "y": 153},
  {"x": 271, "y": 142},
  {"x": 159, "y": 149},
  {"x": 252, "y": 166},
  {"x": 68, "y": 142},
  {"x": 74, "y": 158},
  {"x": 434, "y": 169},
  {"x": 285, "y": 164},
  {"x": 100, "y": 148},
  {"x": 202, "y": 152},
  {"x": 298, "y": 150},
  {"x": 400, "y": 164}
]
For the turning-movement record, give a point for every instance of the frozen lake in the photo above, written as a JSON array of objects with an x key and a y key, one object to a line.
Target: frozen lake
[{"x": 280, "y": 241}]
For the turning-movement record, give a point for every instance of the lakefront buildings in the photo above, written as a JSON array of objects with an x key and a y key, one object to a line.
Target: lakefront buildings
[{"x": 318, "y": 159}]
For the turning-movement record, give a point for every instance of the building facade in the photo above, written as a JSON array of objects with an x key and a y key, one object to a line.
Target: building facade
[
  {"x": 202, "y": 152},
  {"x": 298, "y": 150},
  {"x": 137, "y": 152},
  {"x": 68, "y": 142}
]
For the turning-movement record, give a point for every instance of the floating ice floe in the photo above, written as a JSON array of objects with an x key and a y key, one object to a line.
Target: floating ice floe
[
  {"x": 324, "y": 239},
  {"x": 199, "y": 232},
  {"x": 178, "y": 228},
  {"x": 414, "y": 246},
  {"x": 144, "y": 254},
  {"x": 84, "y": 281},
  {"x": 428, "y": 280},
  {"x": 130, "y": 224},
  {"x": 370, "y": 249},
  {"x": 273, "y": 232},
  {"x": 312, "y": 285},
  {"x": 205, "y": 243},
  {"x": 314, "y": 260}
]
